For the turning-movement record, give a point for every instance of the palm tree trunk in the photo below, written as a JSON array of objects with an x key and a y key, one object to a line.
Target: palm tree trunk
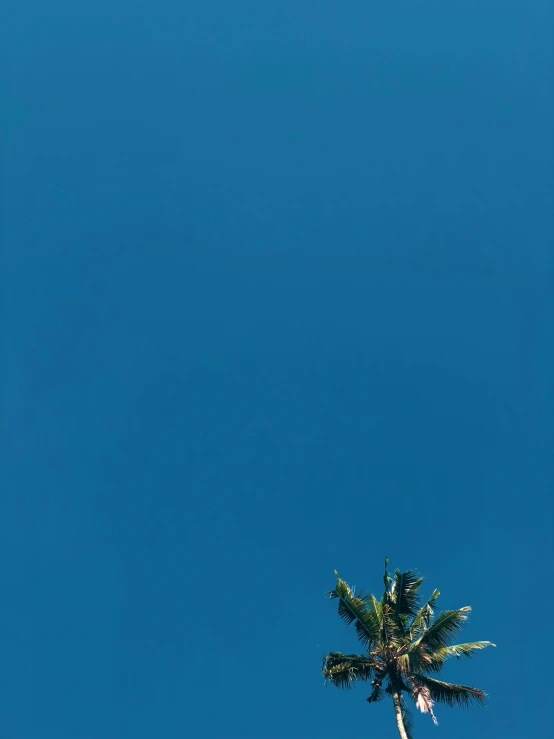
[{"x": 398, "y": 712}]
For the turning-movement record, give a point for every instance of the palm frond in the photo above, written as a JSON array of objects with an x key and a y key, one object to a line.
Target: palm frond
[
  {"x": 377, "y": 694},
  {"x": 405, "y": 593},
  {"x": 422, "y": 659},
  {"x": 403, "y": 663},
  {"x": 437, "y": 657},
  {"x": 417, "y": 660},
  {"x": 344, "y": 669},
  {"x": 389, "y": 631},
  {"x": 443, "y": 628},
  {"x": 450, "y": 693},
  {"x": 357, "y": 607},
  {"x": 392, "y": 633},
  {"x": 423, "y": 617},
  {"x": 376, "y": 606}
]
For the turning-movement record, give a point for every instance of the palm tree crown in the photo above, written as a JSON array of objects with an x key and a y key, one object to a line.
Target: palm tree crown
[{"x": 405, "y": 645}]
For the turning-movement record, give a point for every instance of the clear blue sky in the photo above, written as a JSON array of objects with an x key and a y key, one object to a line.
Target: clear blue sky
[{"x": 277, "y": 298}]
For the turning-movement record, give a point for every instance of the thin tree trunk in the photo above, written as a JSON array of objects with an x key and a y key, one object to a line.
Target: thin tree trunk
[{"x": 398, "y": 712}]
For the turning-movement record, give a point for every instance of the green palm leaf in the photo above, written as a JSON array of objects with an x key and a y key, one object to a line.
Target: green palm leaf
[
  {"x": 377, "y": 693},
  {"x": 439, "y": 655},
  {"x": 392, "y": 634},
  {"x": 424, "y": 616},
  {"x": 405, "y": 593},
  {"x": 359, "y": 608},
  {"x": 417, "y": 660},
  {"x": 421, "y": 659},
  {"x": 450, "y": 693},
  {"x": 344, "y": 669},
  {"x": 443, "y": 628}
]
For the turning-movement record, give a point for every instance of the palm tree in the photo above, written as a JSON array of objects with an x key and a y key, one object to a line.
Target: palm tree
[{"x": 405, "y": 645}]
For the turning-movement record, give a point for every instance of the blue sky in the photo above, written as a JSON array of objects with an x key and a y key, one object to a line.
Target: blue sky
[{"x": 276, "y": 299}]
